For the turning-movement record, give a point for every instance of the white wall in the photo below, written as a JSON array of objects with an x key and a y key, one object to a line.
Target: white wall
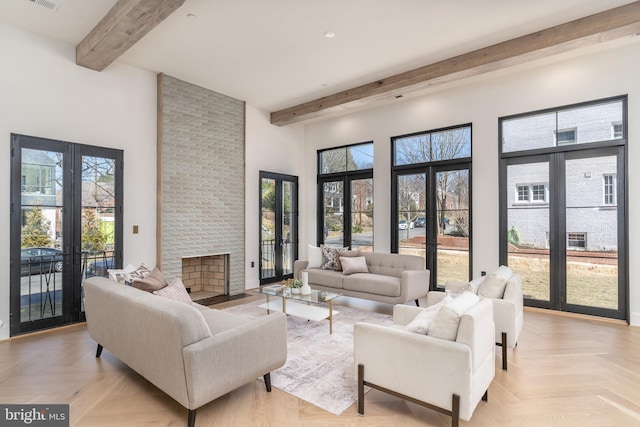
[
  {"x": 582, "y": 78},
  {"x": 269, "y": 148},
  {"x": 43, "y": 93}
]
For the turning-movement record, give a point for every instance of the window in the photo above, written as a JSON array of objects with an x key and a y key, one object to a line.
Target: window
[
  {"x": 424, "y": 147},
  {"x": 616, "y": 128},
  {"x": 523, "y": 193},
  {"x": 577, "y": 240},
  {"x": 567, "y": 136},
  {"x": 609, "y": 191},
  {"x": 345, "y": 187},
  {"x": 527, "y": 193},
  {"x": 582, "y": 124}
]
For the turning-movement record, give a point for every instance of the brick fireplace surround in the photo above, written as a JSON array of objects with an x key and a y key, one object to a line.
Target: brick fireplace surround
[{"x": 208, "y": 273}]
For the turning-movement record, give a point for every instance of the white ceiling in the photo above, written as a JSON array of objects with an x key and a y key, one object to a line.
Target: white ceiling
[{"x": 273, "y": 53}]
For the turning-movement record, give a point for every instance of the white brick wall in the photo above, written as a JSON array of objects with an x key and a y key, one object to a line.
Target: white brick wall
[{"x": 202, "y": 178}]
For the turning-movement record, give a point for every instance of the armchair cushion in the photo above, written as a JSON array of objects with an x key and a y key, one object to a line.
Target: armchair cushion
[
  {"x": 445, "y": 323},
  {"x": 493, "y": 285},
  {"x": 421, "y": 323}
]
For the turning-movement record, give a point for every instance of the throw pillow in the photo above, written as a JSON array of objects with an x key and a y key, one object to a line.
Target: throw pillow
[
  {"x": 354, "y": 265},
  {"x": 153, "y": 282},
  {"x": 492, "y": 286},
  {"x": 347, "y": 254},
  {"x": 445, "y": 323},
  {"x": 457, "y": 287},
  {"x": 315, "y": 257},
  {"x": 175, "y": 291},
  {"x": 421, "y": 323},
  {"x": 140, "y": 272},
  {"x": 330, "y": 257}
]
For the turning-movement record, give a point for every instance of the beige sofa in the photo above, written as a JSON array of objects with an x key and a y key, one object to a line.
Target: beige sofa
[
  {"x": 392, "y": 278},
  {"x": 192, "y": 353}
]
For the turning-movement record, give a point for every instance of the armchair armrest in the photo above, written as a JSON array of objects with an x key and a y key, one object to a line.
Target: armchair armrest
[
  {"x": 225, "y": 361},
  {"x": 404, "y": 314}
]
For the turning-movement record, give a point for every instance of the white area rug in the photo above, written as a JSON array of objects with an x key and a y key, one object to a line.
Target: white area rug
[{"x": 319, "y": 366}]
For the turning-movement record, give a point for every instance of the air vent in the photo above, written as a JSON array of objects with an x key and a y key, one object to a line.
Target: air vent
[{"x": 46, "y": 3}]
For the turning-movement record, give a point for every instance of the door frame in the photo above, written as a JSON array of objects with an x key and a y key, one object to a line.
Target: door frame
[
  {"x": 71, "y": 225},
  {"x": 431, "y": 229},
  {"x": 557, "y": 225},
  {"x": 278, "y": 237}
]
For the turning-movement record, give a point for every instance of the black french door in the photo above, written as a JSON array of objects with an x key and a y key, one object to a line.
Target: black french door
[
  {"x": 278, "y": 226},
  {"x": 66, "y": 225}
]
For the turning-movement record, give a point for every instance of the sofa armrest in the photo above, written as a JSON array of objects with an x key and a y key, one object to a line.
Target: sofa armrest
[
  {"x": 225, "y": 361},
  {"x": 414, "y": 284},
  {"x": 298, "y": 266},
  {"x": 420, "y": 366}
]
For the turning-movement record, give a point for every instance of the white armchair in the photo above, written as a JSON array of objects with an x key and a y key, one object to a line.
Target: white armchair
[
  {"x": 450, "y": 377},
  {"x": 507, "y": 311}
]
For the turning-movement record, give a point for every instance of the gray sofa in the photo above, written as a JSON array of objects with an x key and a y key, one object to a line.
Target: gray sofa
[
  {"x": 193, "y": 353},
  {"x": 392, "y": 278}
]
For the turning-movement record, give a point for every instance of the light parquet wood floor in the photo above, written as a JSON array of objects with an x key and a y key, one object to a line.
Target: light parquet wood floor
[{"x": 566, "y": 371}]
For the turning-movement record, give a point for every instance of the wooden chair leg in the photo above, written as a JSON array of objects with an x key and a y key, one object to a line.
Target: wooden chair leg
[
  {"x": 191, "y": 418},
  {"x": 455, "y": 410},
  {"x": 504, "y": 351},
  {"x": 99, "y": 350},
  {"x": 361, "y": 389},
  {"x": 267, "y": 381}
]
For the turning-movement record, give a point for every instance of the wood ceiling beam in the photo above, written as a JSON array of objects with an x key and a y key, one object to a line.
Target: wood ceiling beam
[
  {"x": 608, "y": 25},
  {"x": 126, "y": 23}
]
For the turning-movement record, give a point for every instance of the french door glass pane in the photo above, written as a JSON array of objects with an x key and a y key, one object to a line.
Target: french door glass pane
[
  {"x": 288, "y": 218},
  {"x": 528, "y": 227},
  {"x": 333, "y": 194},
  {"x": 452, "y": 213},
  {"x": 362, "y": 214},
  {"x": 411, "y": 221},
  {"x": 592, "y": 242},
  {"x": 98, "y": 215},
  {"x": 267, "y": 235},
  {"x": 41, "y": 257}
]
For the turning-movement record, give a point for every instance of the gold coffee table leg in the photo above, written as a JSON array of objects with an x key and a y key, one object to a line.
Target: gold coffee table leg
[{"x": 268, "y": 304}]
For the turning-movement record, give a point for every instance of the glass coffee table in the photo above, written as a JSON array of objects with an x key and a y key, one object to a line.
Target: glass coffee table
[{"x": 298, "y": 305}]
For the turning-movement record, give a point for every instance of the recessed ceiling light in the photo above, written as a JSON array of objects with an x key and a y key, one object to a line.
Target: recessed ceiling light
[
  {"x": 191, "y": 17},
  {"x": 329, "y": 34}
]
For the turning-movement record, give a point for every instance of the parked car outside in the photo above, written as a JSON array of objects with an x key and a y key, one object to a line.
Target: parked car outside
[
  {"x": 40, "y": 260},
  {"x": 402, "y": 224},
  {"x": 421, "y": 222},
  {"x": 100, "y": 267}
]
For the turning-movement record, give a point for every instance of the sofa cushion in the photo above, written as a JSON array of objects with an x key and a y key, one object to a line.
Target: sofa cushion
[
  {"x": 328, "y": 278},
  {"x": 392, "y": 264},
  {"x": 330, "y": 257},
  {"x": 346, "y": 254},
  {"x": 154, "y": 281},
  {"x": 220, "y": 321},
  {"x": 315, "y": 257},
  {"x": 373, "y": 284},
  {"x": 354, "y": 265},
  {"x": 445, "y": 323},
  {"x": 175, "y": 291}
]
